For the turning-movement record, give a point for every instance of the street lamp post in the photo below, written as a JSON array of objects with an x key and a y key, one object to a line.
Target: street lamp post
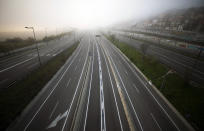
[
  {"x": 35, "y": 43},
  {"x": 164, "y": 78},
  {"x": 46, "y": 36}
]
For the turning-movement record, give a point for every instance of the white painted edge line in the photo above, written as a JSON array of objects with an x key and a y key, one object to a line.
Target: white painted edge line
[
  {"x": 127, "y": 95},
  {"x": 51, "y": 90},
  {"x": 136, "y": 88},
  {"x": 67, "y": 115},
  {"x": 68, "y": 82},
  {"x": 154, "y": 88},
  {"x": 155, "y": 121},
  {"x": 121, "y": 126},
  {"x": 102, "y": 105},
  {"x": 53, "y": 110},
  {"x": 28, "y": 107},
  {"x": 178, "y": 62},
  {"x": 16, "y": 64},
  {"x": 153, "y": 96},
  {"x": 17, "y": 56},
  {"x": 90, "y": 86}
]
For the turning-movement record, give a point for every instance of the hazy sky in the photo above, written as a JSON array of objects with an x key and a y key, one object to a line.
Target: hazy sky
[{"x": 52, "y": 14}]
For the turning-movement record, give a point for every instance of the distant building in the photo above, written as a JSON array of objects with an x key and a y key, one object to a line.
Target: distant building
[{"x": 179, "y": 20}]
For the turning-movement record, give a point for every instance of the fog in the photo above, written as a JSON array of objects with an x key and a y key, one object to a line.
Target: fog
[{"x": 83, "y": 14}]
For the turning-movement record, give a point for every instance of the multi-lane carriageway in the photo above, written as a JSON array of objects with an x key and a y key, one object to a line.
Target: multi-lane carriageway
[
  {"x": 98, "y": 89},
  {"x": 15, "y": 67}
]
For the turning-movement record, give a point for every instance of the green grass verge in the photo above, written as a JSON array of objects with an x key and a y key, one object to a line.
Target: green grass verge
[
  {"x": 166, "y": 37},
  {"x": 16, "y": 43},
  {"x": 14, "y": 99},
  {"x": 188, "y": 100},
  {"x": 194, "y": 56}
]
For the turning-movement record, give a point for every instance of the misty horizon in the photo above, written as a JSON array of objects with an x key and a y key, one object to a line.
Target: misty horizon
[{"x": 64, "y": 15}]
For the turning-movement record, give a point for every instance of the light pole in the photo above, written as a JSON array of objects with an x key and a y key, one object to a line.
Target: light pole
[
  {"x": 164, "y": 78},
  {"x": 46, "y": 36},
  {"x": 35, "y": 42}
]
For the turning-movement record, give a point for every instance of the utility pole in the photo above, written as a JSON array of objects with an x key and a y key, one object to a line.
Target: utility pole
[
  {"x": 200, "y": 49},
  {"x": 164, "y": 78},
  {"x": 35, "y": 43},
  {"x": 46, "y": 36}
]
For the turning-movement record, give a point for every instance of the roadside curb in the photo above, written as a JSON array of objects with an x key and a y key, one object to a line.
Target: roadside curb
[
  {"x": 40, "y": 93},
  {"x": 157, "y": 91}
]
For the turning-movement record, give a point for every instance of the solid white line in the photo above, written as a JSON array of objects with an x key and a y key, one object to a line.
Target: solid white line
[
  {"x": 127, "y": 95},
  {"x": 149, "y": 92},
  {"x": 136, "y": 88},
  {"x": 16, "y": 65},
  {"x": 51, "y": 91},
  {"x": 53, "y": 110},
  {"x": 16, "y": 57},
  {"x": 155, "y": 121},
  {"x": 168, "y": 58},
  {"x": 87, "y": 108},
  {"x": 68, "y": 83},
  {"x": 103, "y": 122},
  {"x": 121, "y": 126},
  {"x": 75, "y": 92}
]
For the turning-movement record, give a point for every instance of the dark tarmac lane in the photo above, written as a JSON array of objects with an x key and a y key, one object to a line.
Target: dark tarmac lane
[
  {"x": 14, "y": 67},
  {"x": 173, "y": 60},
  {"x": 98, "y": 89}
]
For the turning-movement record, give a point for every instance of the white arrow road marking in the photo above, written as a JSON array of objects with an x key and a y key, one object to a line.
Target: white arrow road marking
[{"x": 59, "y": 117}]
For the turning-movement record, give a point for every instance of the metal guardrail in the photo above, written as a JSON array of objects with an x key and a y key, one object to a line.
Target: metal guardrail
[
  {"x": 194, "y": 39},
  {"x": 21, "y": 49}
]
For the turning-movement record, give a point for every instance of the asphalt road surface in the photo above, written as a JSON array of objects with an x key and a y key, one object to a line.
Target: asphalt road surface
[
  {"x": 98, "y": 89},
  {"x": 180, "y": 63},
  {"x": 17, "y": 66}
]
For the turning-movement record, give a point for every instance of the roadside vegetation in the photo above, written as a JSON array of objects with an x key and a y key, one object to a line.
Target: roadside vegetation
[
  {"x": 14, "y": 99},
  {"x": 16, "y": 43},
  {"x": 192, "y": 55},
  {"x": 165, "y": 37},
  {"x": 187, "y": 99}
]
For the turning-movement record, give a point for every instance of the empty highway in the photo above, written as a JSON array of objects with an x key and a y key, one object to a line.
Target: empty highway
[
  {"x": 178, "y": 62},
  {"x": 17, "y": 66},
  {"x": 98, "y": 89}
]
